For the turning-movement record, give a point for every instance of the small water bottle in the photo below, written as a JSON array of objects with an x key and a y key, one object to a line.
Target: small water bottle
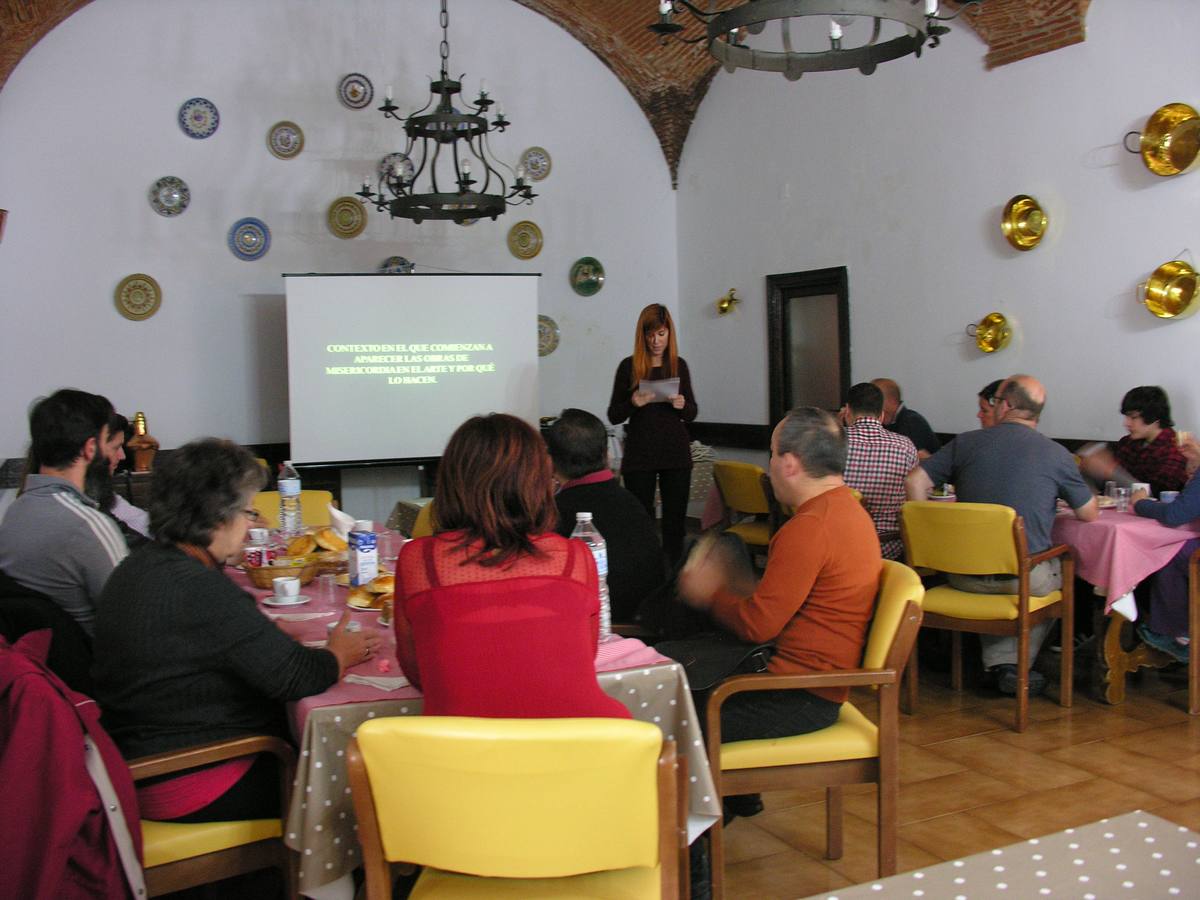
[
  {"x": 291, "y": 522},
  {"x": 587, "y": 532}
]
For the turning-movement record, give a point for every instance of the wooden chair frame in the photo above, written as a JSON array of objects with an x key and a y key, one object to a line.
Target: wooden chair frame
[
  {"x": 210, "y": 867},
  {"x": 1019, "y": 627},
  {"x": 1193, "y": 695},
  {"x": 881, "y": 770},
  {"x": 672, "y": 833}
]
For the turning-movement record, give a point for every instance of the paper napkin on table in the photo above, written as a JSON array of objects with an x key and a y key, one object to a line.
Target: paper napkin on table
[
  {"x": 341, "y": 523},
  {"x": 377, "y": 681},
  {"x": 298, "y": 617}
]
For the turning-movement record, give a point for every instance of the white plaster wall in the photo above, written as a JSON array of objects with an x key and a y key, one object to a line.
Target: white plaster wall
[
  {"x": 88, "y": 123},
  {"x": 901, "y": 177}
]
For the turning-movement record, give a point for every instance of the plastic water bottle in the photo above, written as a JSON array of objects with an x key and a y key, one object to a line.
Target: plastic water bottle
[
  {"x": 290, "y": 519},
  {"x": 587, "y": 532}
]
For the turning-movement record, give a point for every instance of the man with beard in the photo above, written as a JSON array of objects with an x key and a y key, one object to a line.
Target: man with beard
[
  {"x": 54, "y": 538},
  {"x": 98, "y": 484}
]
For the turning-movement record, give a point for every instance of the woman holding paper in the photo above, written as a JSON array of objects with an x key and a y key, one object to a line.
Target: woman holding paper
[{"x": 653, "y": 391}]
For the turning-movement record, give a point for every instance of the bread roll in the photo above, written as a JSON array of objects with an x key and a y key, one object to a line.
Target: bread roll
[{"x": 327, "y": 539}]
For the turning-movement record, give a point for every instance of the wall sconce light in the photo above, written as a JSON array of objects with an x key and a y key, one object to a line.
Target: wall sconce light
[{"x": 728, "y": 302}]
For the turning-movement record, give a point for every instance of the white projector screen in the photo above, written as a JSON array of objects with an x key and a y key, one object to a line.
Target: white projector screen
[{"x": 385, "y": 367}]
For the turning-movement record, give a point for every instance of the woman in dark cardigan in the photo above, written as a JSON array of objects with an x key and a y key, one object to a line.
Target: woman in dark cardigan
[
  {"x": 657, "y": 443},
  {"x": 182, "y": 655}
]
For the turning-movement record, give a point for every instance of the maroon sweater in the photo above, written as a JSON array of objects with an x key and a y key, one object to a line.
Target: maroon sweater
[{"x": 656, "y": 436}]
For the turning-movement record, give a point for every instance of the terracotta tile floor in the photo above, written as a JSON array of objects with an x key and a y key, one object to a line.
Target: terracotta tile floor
[{"x": 969, "y": 783}]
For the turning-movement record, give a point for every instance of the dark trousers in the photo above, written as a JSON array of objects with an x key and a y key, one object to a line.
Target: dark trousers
[
  {"x": 1169, "y": 594},
  {"x": 673, "y": 487},
  {"x": 771, "y": 714}
]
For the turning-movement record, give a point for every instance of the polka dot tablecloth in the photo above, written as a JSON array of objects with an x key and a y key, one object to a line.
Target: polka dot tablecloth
[
  {"x": 321, "y": 826},
  {"x": 1134, "y": 855}
]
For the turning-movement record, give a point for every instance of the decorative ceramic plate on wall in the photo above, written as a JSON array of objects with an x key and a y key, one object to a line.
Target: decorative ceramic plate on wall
[
  {"x": 547, "y": 335},
  {"x": 138, "y": 297},
  {"x": 536, "y": 162},
  {"x": 355, "y": 91},
  {"x": 587, "y": 276},
  {"x": 285, "y": 140},
  {"x": 525, "y": 240},
  {"x": 388, "y": 164},
  {"x": 199, "y": 118},
  {"x": 169, "y": 196},
  {"x": 346, "y": 217},
  {"x": 249, "y": 238},
  {"x": 396, "y": 265}
]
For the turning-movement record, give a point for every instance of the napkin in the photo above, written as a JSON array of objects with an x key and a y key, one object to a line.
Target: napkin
[
  {"x": 298, "y": 617},
  {"x": 378, "y": 681},
  {"x": 341, "y": 523}
]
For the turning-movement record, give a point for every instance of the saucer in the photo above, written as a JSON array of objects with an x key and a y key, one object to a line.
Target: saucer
[{"x": 300, "y": 600}]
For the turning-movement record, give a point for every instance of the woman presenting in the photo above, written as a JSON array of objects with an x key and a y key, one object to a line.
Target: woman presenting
[{"x": 657, "y": 444}]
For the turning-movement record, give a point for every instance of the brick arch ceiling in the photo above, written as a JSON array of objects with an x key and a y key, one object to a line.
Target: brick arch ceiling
[{"x": 667, "y": 81}]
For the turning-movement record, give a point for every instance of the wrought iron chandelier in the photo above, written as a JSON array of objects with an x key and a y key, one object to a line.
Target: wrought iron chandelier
[
  {"x": 894, "y": 28},
  {"x": 447, "y": 147}
]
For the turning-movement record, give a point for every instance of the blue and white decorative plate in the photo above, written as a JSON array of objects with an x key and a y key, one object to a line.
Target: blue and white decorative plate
[
  {"x": 199, "y": 118},
  {"x": 396, "y": 265},
  {"x": 355, "y": 91},
  {"x": 249, "y": 238},
  {"x": 285, "y": 140},
  {"x": 389, "y": 163},
  {"x": 169, "y": 196},
  {"x": 536, "y": 162}
]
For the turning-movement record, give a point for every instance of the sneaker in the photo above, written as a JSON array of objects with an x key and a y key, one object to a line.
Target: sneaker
[
  {"x": 1165, "y": 643},
  {"x": 744, "y": 805},
  {"x": 1006, "y": 680}
]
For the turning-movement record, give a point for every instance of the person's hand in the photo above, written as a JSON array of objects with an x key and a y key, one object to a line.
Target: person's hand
[
  {"x": 1100, "y": 465},
  {"x": 351, "y": 647},
  {"x": 1191, "y": 453},
  {"x": 702, "y": 576},
  {"x": 1138, "y": 495},
  {"x": 678, "y": 401},
  {"x": 641, "y": 398}
]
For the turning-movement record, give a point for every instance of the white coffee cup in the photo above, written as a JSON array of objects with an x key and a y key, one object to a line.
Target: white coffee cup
[
  {"x": 1139, "y": 486},
  {"x": 287, "y": 587}
]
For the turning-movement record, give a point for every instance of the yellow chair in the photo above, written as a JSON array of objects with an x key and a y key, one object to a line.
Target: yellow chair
[
  {"x": 987, "y": 539},
  {"x": 179, "y": 856},
  {"x": 742, "y": 495},
  {"x": 1193, "y": 694},
  {"x": 425, "y": 524},
  {"x": 314, "y": 507},
  {"x": 851, "y": 751},
  {"x": 519, "y": 808}
]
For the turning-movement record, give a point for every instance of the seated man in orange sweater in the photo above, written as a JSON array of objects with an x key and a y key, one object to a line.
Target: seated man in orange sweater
[{"x": 817, "y": 595}]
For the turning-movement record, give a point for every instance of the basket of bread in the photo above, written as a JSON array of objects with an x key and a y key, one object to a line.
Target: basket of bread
[
  {"x": 302, "y": 567},
  {"x": 374, "y": 594},
  {"x": 322, "y": 547}
]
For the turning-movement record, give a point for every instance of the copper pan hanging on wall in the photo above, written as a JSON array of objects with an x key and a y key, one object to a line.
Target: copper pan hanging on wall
[
  {"x": 1024, "y": 222},
  {"x": 1170, "y": 142},
  {"x": 1170, "y": 291}
]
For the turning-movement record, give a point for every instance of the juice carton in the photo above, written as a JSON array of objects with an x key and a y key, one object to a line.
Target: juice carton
[{"x": 363, "y": 554}]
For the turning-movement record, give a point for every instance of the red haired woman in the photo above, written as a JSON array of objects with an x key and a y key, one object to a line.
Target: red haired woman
[
  {"x": 496, "y": 615},
  {"x": 657, "y": 444}
]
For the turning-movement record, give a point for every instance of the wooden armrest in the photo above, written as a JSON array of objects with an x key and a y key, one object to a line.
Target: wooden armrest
[
  {"x": 766, "y": 682},
  {"x": 205, "y": 754},
  {"x": 1060, "y": 550}
]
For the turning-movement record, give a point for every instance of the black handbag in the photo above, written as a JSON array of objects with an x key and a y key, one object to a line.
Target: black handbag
[{"x": 710, "y": 658}]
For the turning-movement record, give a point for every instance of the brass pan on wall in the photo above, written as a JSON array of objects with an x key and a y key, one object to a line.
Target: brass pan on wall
[
  {"x": 991, "y": 333},
  {"x": 1023, "y": 222},
  {"x": 1170, "y": 142},
  {"x": 1170, "y": 292}
]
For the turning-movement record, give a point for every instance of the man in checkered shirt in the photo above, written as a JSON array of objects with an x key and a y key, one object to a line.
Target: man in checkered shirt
[{"x": 876, "y": 463}]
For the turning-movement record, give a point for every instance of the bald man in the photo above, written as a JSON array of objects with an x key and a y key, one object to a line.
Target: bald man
[
  {"x": 899, "y": 419},
  {"x": 1014, "y": 465}
]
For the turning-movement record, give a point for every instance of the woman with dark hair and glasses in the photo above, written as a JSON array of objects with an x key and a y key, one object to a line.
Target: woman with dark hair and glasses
[
  {"x": 495, "y": 614},
  {"x": 183, "y": 656},
  {"x": 1149, "y": 452},
  {"x": 657, "y": 443}
]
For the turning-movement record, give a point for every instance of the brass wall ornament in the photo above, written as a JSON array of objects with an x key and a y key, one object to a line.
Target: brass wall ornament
[
  {"x": 1170, "y": 291},
  {"x": 991, "y": 333},
  {"x": 726, "y": 304},
  {"x": 1024, "y": 222},
  {"x": 1170, "y": 142}
]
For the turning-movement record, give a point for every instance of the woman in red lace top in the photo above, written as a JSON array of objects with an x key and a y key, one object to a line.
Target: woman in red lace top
[{"x": 496, "y": 615}]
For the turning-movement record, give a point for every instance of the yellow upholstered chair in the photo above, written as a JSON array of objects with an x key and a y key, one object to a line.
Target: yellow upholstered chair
[
  {"x": 519, "y": 808},
  {"x": 742, "y": 496},
  {"x": 986, "y": 539},
  {"x": 314, "y": 507},
  {"x": 180, "y": 856},
  {"x": 853, "y": 750},
  {"x": 1193, "y": 695},
  {"x": 425, "y": 523}
]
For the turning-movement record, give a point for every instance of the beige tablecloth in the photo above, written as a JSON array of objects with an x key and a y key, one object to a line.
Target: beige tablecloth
[{"x": 321, "y": 824}]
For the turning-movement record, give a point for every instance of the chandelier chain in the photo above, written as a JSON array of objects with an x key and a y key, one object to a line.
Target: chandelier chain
[{"x": 444, "y": 48}]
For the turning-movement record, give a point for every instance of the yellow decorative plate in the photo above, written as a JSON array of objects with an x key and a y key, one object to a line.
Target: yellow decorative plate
[
  {"x": 347, "y": 218},
  {"x": 138, "y": 297},
  {"x": 525, "y": 240}
]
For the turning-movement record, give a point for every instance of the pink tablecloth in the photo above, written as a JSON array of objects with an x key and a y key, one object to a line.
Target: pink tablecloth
[{"x": 1119, "y": 549}]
